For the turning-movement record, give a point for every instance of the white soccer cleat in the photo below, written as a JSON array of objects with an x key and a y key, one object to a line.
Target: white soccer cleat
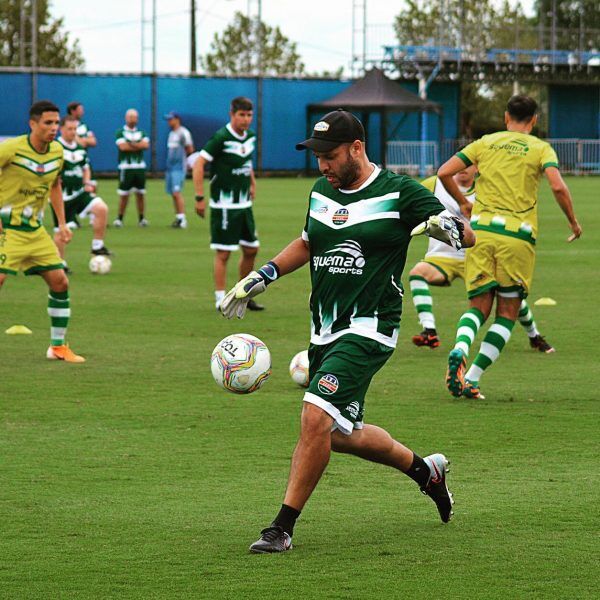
[{"x": 436, "y": 487}]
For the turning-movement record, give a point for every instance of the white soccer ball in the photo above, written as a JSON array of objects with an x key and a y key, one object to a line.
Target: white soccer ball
[
  {"x": 241, "y": 363},
  {"x": 100, "y": 264},
  {"x": 299, "y": 369}
]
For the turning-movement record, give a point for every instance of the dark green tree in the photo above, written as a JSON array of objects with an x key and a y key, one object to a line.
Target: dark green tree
[
  {"x": 54, "y": 48},
  {"x": 247, "y": 47}
]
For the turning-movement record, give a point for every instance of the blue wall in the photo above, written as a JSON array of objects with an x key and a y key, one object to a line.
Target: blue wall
[
  {"x": 574, "y": 111},
  {"x": 203, "y": 104}
]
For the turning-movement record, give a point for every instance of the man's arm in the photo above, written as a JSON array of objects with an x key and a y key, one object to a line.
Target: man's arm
[
  {"x": 58, "y": 205},
  {"x": 292, "y": 257},
  {"x": 198, "y": 178},
  {"x": 189, "y": 149},
  {"x": 446, "y": 175},
  {"x": 252, "y": 184},
  {"x": 128, "y": 146},
  {"x": 563, "y": 198},
  {"x": 89, "y": 141}
]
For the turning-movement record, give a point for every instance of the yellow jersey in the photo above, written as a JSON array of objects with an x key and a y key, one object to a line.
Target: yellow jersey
[
  {"x": 510, "y": 166},
  {"x": 26, "y": 177}
]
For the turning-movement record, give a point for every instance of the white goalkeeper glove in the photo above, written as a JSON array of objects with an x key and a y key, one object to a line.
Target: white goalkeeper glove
[
  {"x": 236, "y": 299},
  {"x": 445, "y": 229}
]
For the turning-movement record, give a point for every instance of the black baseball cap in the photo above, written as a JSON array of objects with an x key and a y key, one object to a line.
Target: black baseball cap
[{"x": 335, "y": 128}]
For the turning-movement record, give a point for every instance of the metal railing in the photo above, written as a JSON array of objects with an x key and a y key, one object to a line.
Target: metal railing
[{"x": 420, "y": 159}]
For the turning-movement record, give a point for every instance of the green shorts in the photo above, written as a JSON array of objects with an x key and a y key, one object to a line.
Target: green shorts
[
  {"x": 132, "y": 180},
  {"x": 340, "y": 375},
  {"x": 231, "y": 228},
  {"x": 77, "y": 207}
]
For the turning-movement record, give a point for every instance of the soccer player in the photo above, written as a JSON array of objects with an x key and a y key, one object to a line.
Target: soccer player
[
  {"x": 355, "y": 238},
  {"x": 77, "y": 192},
  {"x": 500, "y": 267},
  {"x": 179, "y": 146},
  {"x": 30, "y": 165},
  {"x": 232, "y": 191},
  {"x": 85, "y": 136},
  {"x": 442, "y": 264},
  {"x": 132, "y": 142}
]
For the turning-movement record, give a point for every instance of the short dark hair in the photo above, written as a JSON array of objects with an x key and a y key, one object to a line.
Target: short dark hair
[
  {"x": 241, "y": 103},
  {"x": 73, "y": 106},
  {"x": 40, "y": 107},
  {"x": 68, "y": 119},
  {"x": 522, "y": 108}
]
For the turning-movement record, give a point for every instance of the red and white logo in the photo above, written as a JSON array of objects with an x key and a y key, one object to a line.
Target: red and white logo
[{"x": 328, "y": 384}]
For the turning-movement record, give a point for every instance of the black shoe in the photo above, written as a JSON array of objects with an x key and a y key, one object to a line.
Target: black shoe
[
  {"x": 272, "y": 539},
  {"x": 539, "y": 343},
  {"x": 104, "y": 251},
  {"x": 252, "y": 305},
  {"x": 436, "y": 487},
  {"x": 179, "y": 224}
]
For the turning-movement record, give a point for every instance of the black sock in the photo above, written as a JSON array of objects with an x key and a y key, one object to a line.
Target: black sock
[
  {"x": 141, "y": 216},
  {"x": 286, "y": 518},
  {"x": 121, "y": 217},
  {"x": 419, "y": 471}
]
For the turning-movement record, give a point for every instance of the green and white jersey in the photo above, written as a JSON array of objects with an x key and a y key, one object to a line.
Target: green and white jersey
[
  {"x": 71, "y": 175},
  {"x": 231, "y": 157},
  {"x": 131, "y": 160},
  {"x": 83, "y": 130},
  {"x": 358, "y": 243}
]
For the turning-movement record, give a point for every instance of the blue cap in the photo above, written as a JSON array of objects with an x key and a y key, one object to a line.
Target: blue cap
[{"x": 172, "y": 115}]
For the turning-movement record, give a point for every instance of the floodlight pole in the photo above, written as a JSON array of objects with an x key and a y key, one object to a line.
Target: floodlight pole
[
  {"x": 193, "y": 65},
  {"x": 259, "y": 89},
  {"x": 154, "y": 95},
  {"x": 34, "y": 51}
]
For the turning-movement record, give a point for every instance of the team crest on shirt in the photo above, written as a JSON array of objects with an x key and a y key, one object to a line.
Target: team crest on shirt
[
  {"x": 340, "y": 216},
  {"x": 40, "y": 169},
  {"x": 328, "y": 384}
]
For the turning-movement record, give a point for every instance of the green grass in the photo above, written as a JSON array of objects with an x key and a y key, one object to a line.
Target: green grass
[{"x": 135, "y": 476}]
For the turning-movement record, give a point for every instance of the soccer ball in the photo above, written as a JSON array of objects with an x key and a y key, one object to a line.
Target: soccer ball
[
  {"x": 100, "y": 264},
  {"x": 241, "y": 363},
  {"x": 299, "y": 369}
]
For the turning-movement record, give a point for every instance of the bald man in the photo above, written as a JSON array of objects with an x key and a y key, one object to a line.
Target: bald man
[{"x": 132, "y": 142}]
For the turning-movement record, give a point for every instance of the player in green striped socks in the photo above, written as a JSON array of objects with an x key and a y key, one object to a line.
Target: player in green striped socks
[{"x": 499, "y": 268}]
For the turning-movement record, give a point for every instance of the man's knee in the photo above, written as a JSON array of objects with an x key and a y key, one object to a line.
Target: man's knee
[
  {"x": 2, "y": 278},
  {"x": 249, "y": 252},
  {"x": 222, "y": 255},
  {"x": 99, "y": 208},
  {"x": 315, "y": 422},
  {"x": 59, "y": 283},
  {"x": 508, "y": 307}
]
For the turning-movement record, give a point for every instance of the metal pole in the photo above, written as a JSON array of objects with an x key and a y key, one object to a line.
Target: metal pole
[
  {"x": 259, "y": 90},
  {"x": 143, "y": 32},
  {"x": 34, "y": 50},
  {"x": 22, "y": 18},
  {"x": 364, "y": 41},
  {"x": 154, "y": 94},
  {"x": 193, "y": 66}
]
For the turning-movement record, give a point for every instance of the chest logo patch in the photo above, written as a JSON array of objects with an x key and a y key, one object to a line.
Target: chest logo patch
[
  {"x": 340, "y": 216},
  {"x": 328, "y": 384}
]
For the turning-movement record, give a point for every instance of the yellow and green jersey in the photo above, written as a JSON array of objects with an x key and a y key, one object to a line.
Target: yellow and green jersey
[
  {"x": 25, "y": 180},
  {"x": 510, "y": 166}
]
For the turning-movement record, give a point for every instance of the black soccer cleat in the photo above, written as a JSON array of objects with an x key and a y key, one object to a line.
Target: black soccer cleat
[
  {"x": 539, "y": 343},
  {"x": 252, "y": 305},
  {"x": 272, "y": 539},
  {"x": 436, "y": 487},
  {"x": 427, "y": 337},
  {"x": 104, "y": 251}
]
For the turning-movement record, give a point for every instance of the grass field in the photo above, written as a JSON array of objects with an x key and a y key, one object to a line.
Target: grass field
[{"x": 134, "y": 476}]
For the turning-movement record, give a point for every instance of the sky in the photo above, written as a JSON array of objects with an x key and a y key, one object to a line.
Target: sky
[{"x": 110, "y": 36}]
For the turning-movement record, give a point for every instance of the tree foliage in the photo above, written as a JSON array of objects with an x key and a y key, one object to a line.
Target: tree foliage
[
  {"x": 247, "y": 47},
  {"x": 54, "y": 48}
]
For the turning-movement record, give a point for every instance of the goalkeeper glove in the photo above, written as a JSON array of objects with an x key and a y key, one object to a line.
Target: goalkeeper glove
[
  {"x": 449, "y": 230},
  {"x": 236, "y": 299}
]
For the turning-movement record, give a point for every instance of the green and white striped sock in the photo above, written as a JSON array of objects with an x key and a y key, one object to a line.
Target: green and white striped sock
[
  {"x": 59, "y": 311},
  {"x": 495, "y": 339},
  {"x": 421, "y": 296},
  {"x": 467, "y": 329},
  {"x": 526, "y": 319}
]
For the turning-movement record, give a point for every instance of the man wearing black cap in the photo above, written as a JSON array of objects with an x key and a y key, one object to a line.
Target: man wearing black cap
[{"x": 356, "y": 236}]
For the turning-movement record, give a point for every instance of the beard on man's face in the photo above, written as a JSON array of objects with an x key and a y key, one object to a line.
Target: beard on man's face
[{"x": 348, "y": 171}]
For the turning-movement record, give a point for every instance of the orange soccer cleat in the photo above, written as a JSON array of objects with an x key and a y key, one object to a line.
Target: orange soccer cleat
[{"x": 63, "y": 353}]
